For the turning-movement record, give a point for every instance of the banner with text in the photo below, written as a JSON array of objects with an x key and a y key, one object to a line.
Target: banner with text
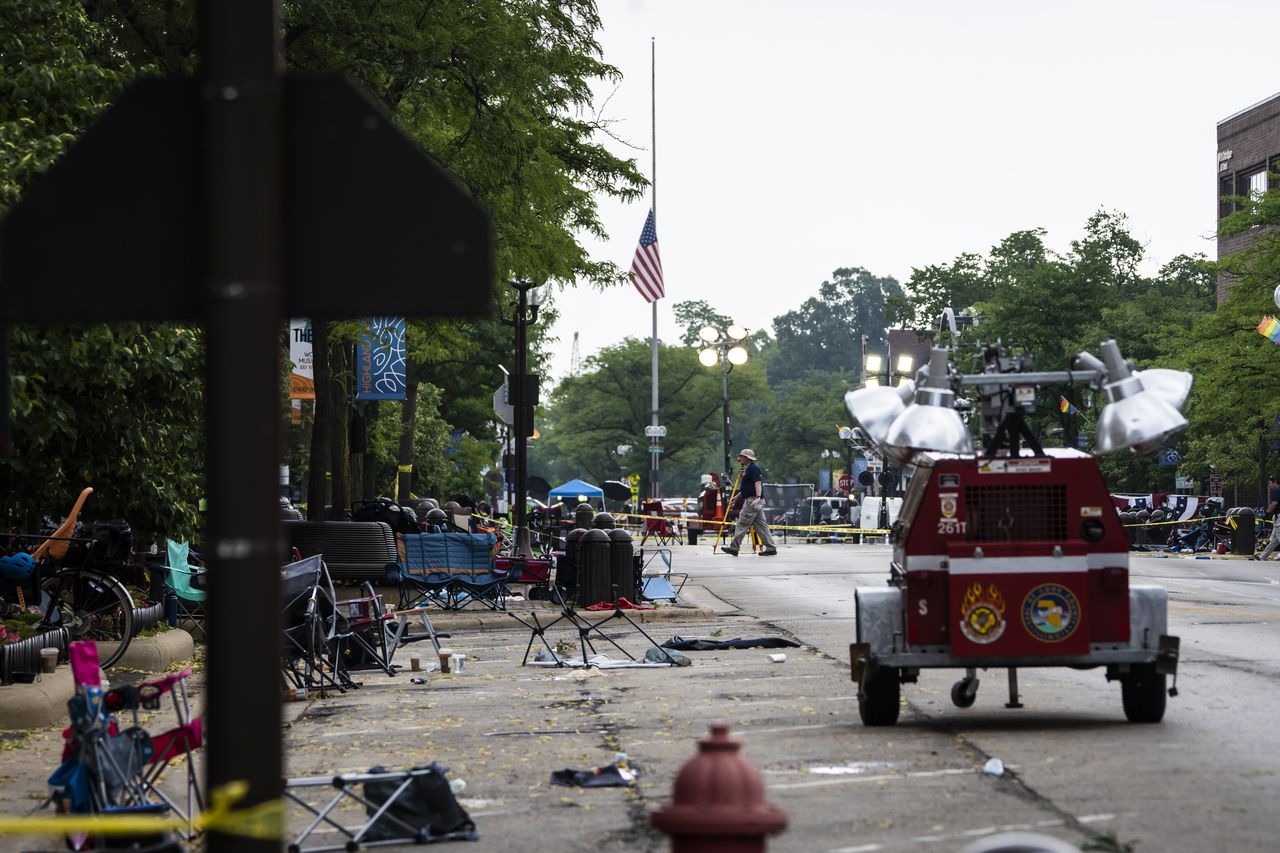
[
  {"x": 380, "y": 360},
  {"x": 302, "y": 383}
]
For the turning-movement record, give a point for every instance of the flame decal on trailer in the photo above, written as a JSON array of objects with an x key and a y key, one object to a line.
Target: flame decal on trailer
[{"x": 982, "y": 614}]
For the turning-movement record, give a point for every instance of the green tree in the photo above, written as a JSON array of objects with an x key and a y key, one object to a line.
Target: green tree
[
  {"x": 803, "y": 420},
  {"x": 117, "y": 408},
  {"x": 498, "y": 90},
  {"x": 824, "y": 333},
  {"x": 958, "y": 285},
  {"x": 58, "y": 71},
  {"x": 607, "y": 405},
  {"x": 1233, "y": 415},
  {"x": 692, "y": 315}
]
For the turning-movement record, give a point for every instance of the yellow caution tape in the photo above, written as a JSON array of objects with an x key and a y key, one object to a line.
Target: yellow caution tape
[
  {"x": 405, "y": 469},
  {"x": 263, "y": 821},
  {"x": 824, "y": 528}
]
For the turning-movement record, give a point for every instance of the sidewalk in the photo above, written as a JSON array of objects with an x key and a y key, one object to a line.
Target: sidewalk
[{"x": 504, "y": 729}]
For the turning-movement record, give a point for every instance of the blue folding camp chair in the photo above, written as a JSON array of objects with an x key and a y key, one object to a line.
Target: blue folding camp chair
[
  {"x": 659, "y": 586},
  {"x": 453, "y": 570}
]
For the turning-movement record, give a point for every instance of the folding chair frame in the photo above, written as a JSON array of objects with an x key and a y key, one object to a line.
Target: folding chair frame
[
  {"x": 364, "y": 627},
  {"x": 311, "y": 659},
  {"x": 666, "y": 557},
  {"x": 345, "y": 787},
  {"x": 584, "y": 627}
]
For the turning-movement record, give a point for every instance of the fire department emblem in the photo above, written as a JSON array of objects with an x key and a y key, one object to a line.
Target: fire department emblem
[
  {"x": 1051, "y": 612},
  {"x": 982, "y": 614},
  {"x": 949, "y": 505}
]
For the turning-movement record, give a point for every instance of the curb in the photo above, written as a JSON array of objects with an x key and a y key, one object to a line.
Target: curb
[
  {"x": 157, "y": 653},
  {"x": 44, "y": 703},
  {"x": 38, "y": 705}
]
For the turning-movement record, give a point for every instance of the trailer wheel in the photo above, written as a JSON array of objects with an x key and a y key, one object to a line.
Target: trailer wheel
[
  {"x": 1143, "y": 693},
  {"x": 878, "y": 701},
  {"x": 964, "y": 692}
]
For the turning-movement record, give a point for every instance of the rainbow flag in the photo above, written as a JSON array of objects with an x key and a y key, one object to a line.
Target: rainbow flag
[
  {"x": 1064, "y": 406},
  {"x": 1270, "y": 328}
]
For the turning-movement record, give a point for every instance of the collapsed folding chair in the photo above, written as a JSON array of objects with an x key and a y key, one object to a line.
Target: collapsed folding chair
[
  {"x": 395, "y": 807},
  {"x": 658, "y": 586},
  {"x": 656, "y": 525},
  {"x": 311, "y": 638},
  {"x": 181, "y": 576},
  {"x": 362, "y": 632},
  {"x": 584, "y": 628}
]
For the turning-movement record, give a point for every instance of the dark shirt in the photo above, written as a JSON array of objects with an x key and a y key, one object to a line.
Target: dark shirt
[
  {"x": 750, "y": 477},
  {"x": 1273, "y": 497}
]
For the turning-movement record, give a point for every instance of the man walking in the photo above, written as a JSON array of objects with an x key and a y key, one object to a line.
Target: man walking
[
  {"x": 1273, "y": 503},
  {"x": 751, "y": 490}
]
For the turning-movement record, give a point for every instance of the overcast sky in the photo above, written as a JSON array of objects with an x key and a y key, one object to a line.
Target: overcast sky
[{"x": 797, "y": 137}]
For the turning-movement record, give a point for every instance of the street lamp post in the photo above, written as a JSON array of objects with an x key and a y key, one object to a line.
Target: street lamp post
[
  {"x": 524, "y": 397},
  {"x": 828, "y": 459},
  {"x": 724, "y": 346}
]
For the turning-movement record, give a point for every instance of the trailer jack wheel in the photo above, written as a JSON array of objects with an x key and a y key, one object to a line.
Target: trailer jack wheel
[
  {"x": 965, "y": 691},
  {"x": 1143, "y": 694},
  {"x": 879, "y": 698}
]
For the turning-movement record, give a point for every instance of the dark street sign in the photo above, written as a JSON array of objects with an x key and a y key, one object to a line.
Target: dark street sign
[{"x": 372, "y": 224}]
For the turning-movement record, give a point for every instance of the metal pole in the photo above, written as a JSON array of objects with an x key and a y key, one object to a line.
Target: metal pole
[
  {"x": 521, "y": 547},
  {"x": 240, "y": 88},
  {"x": 724, "y": 373},
  {"x": 655, "y": 476}
]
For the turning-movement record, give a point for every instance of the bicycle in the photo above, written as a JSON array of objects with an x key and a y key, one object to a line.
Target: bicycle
[{"x": 89, "y": 603}]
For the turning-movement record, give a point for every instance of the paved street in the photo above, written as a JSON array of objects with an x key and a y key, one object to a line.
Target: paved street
[{"x": 1205, "y": 779}]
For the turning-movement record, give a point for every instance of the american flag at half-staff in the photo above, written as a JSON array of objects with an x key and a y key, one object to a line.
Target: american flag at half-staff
[{"x": 646, "y": 268}]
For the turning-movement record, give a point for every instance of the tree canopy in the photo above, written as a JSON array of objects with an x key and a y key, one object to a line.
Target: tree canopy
[
  {"x": 825, "y": 332},
  {"x": 498, "y": 90}
]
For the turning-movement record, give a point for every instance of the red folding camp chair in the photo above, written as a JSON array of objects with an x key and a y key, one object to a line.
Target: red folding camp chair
[{"x": 656, "y": 525}]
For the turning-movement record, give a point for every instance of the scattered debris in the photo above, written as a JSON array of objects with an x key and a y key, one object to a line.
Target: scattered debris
[
  {"x": 994, "y": 767},
  {"x": 706, "y": 644},
  {"x": 609, "y": 776}
]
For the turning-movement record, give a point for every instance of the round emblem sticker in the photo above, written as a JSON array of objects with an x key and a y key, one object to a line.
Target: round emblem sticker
[
  {"x": 982, "y": 614},
  {"x": 1051, "y": 612}
]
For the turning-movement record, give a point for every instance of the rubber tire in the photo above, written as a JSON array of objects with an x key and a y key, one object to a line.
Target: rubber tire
[
  {"x": 1143, "y": 693},
  {"x": 99, "y": 598},
  {"x": 959, "y": 697},
  {"x": 879, "y": 703}
]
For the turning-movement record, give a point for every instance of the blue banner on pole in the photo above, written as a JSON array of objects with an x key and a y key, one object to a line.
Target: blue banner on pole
[{"x": 380, "y": 360}]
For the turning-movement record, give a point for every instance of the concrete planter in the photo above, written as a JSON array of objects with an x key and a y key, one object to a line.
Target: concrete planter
[
  {"x": 154, "y": 654},
  {"x": 35, "y": 706}
]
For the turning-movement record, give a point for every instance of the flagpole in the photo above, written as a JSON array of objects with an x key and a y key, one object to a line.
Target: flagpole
[{"x": 656, "y": 448}]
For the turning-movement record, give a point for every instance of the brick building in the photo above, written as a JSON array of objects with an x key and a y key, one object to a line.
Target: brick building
[{"x": 1248, "y": 149}]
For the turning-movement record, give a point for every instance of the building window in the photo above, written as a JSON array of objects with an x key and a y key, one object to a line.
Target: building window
[
  {"x": 1226, "y": 187},
  {"x": 1257, "y": 184}
]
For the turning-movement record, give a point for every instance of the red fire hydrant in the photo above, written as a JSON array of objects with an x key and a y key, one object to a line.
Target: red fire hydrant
[{"x": 717, "y": 804}]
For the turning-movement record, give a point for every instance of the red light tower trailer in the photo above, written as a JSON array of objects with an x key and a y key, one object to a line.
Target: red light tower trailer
[{"x": 1013, "y": 556}]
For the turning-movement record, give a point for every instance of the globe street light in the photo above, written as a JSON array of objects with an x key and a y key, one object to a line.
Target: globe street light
[{"x": 724, "y": 346}]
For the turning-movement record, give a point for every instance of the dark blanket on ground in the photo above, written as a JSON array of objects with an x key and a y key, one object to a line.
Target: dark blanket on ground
[{"x": 706, "y": 644}]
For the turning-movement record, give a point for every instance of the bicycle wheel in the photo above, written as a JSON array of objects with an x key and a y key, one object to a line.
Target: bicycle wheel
[{"x": 92, "y": 606}]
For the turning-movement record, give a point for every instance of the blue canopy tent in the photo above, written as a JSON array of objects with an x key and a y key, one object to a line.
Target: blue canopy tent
[{"x": 575, "y": 489}]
